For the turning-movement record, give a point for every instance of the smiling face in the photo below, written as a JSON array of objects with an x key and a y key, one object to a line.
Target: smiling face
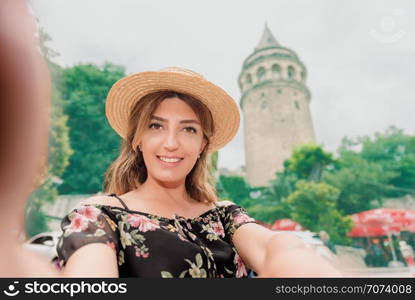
[{"x": 172, "y": 141}]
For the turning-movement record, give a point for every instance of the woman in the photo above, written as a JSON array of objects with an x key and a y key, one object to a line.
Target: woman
[
  {"x": 24, "y": 97},
  {"x": 161, "y": 216}
]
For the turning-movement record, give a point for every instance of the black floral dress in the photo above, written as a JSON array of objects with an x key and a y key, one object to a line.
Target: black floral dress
[{"x": 151, "y": 246}]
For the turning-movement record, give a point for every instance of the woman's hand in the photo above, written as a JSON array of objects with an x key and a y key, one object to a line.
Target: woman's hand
[{"x": 24, "y": 105}]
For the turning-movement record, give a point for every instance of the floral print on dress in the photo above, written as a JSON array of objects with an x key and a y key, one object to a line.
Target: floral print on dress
[
  {"x": 142, "y": 252},
  {"x": 78, "y": 224},
  {"x": 236, "y": 218},
  {"x": 81, "y": 219},
  {"x": 151, "y": 246},
  {"x": 142, "y": 222},
  {"x": 214, "y": 230},
  {"x": 218, "y": 229},
  {"x": 85, "y": 225},
  {"x": 89, "y": 212}
]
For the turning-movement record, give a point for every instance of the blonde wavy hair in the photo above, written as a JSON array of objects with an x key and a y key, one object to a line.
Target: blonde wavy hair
[{"x": 129, "y": 171}]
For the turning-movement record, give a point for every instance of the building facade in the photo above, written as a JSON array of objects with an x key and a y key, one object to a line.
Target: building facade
[{"x": 275, "y": 104}]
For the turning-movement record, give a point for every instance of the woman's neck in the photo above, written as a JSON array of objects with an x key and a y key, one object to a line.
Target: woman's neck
[{"x": 172, "y": 194}]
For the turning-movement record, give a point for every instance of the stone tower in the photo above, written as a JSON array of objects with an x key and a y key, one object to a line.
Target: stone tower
[{"x": 275, "y": 105}]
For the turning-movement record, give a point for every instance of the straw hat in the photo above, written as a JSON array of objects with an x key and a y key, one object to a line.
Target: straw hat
[{"x": 126, "y": 92}]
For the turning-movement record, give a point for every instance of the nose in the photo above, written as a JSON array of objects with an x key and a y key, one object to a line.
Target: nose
[{"x": 172, "y": 141}]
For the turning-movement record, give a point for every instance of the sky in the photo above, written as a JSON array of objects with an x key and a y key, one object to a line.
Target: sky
[{"x": 360, "y": 55}]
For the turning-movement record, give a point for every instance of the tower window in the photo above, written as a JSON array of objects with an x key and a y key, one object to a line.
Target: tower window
[
  {"x": 248, "y": 78},
  {"x": 297, "y": 105},
  {"x": 291, "y": 72},
  {"x": 276, "y": 71},
  {"x": 279, "y": 91},
  {"x": 264, "y": 104},
  {"x": 260, "y": 73}
]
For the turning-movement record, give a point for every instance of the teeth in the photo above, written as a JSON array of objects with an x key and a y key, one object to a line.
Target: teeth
[{"x": 171, "y": 160}]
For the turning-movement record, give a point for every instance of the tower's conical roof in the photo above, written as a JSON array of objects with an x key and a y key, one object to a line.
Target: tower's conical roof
[{"x": 267, "y": 39}]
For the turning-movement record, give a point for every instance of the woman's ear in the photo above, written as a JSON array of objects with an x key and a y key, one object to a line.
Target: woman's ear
[{"x": 135, "y": 144}]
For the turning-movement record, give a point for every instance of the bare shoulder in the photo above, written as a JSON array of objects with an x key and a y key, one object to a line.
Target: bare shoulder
[
  {"x": 225, "y": 203},
  {"x": 101, "y": 200}
]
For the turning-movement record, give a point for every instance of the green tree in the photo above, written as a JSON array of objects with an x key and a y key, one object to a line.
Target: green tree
[
  {"x": 233, "y": 188},
  {"x": 362, "y": 184},
  {"x": 395, "y": 152},
  {"x": 314, "y": 206},
  {"x": 308, "y": 161},
  {"x": 95, "y": 144},
  {"x": 256, "y": 200},
  {"x": 371, "y": 169},
  {"x": 280, "y": 187},
  {"x": 269, "y": 213}
]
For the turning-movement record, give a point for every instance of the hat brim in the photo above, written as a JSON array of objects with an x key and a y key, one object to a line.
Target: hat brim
[{"x": 126, "y": 92}]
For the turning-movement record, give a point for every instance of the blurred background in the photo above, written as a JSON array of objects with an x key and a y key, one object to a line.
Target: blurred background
[{"x": 326, "y": 147}]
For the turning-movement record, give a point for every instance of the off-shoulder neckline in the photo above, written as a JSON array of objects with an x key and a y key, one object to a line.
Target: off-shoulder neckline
[{"x": 150, "y": 215}]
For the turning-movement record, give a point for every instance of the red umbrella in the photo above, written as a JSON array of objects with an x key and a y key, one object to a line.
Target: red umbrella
[
  {"x": 382, "y": 222},
  {"x": 286, "y": 224}
]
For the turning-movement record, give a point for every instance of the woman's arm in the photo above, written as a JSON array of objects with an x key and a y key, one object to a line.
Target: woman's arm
[
  {"x": 92, "y": 260},
  {"x": 24, "y": 113},
  {"x": 288, "y": 256},
  {"x": 272, "y": 254},
  {"x": 24, "y": 102}
]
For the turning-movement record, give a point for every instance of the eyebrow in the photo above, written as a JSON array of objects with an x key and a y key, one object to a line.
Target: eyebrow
[{"x": 182, "y": 121}]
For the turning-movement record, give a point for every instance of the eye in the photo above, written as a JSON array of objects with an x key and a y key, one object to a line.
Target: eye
[
  {"x": 191, "y": 129},
  {"x": 155, "y": 125}
]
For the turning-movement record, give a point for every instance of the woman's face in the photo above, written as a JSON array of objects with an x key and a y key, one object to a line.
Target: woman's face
[{"x": 172, "y": 141}]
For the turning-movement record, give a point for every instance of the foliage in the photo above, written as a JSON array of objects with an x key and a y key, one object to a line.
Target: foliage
[
  {"x": 308, "y": 161},
  {"x": 253, "y": 199},
  {"x": 360, "y": 182},
  {"x": 233, "y": 188},
  {"x": 395, "y": 152},
  {"x": 95, "y": 144},
  {"x": 280, "y": 188},
  {"x": 371, "y": 169},
  {"x": 314, "y": 206},
  {"x": 269, "y": 213}
]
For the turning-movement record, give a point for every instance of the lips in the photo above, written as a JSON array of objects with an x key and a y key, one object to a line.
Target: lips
[{"x": 169, "y": 161}]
